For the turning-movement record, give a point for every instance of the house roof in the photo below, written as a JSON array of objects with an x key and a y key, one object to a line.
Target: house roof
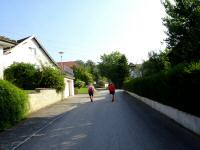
[
  {"x": 70, "y": 64},
  {"x": 21, "y": 40},
  {"x": 6, "y": 42}
]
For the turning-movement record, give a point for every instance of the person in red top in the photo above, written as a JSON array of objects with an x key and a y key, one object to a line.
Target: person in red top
[{"x": 111, "y": 88}]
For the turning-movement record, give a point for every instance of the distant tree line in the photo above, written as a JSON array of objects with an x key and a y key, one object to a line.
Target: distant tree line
[{"x": 113, "y": 67}]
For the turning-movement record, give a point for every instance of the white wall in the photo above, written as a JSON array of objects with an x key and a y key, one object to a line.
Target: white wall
[
  {"x": 69, "y": 87},
  {"x": 72, "y": 88},
  {"x": 1, "y": 62},
  {"x": 27, "y": 52}
]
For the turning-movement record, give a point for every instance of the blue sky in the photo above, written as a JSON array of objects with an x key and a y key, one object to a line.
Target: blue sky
[{"x": 86, "y": 29}]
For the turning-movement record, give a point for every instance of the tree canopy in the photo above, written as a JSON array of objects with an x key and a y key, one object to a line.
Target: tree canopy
[
  {"x": 115, "y": 67},
  {"x": 183, "y": 24}
]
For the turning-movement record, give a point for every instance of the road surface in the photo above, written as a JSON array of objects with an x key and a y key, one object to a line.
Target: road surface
[{"x": 126, "y": 124}]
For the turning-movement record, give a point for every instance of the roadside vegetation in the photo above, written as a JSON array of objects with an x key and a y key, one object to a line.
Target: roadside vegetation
[
  {"x": 13, "y": 104},
  {"x": 23, "y": 78},
  {"x": 172, "y": 77},
  {"x": 28, "y": 77}
]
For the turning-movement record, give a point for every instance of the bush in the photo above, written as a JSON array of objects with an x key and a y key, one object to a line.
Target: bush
[
  {"x": 52, "y": 78},
  {"x": 177, "y": 87},
  {"x": 101, "y": 83},
  {"x": 79, "y": 84},
  {"x": 27, "y": 77},
  {"x": 75, "y": 91},
  {"x": 23, "y": 75},
  {"x": 13, "y": 104}
]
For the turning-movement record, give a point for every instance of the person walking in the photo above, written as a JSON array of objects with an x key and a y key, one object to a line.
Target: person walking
[
  {"x": 112, "y": 88},
  {"x": 91, "y": 92}
]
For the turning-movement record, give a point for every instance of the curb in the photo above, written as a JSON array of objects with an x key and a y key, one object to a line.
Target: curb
[{"x": 186, "y": 120}]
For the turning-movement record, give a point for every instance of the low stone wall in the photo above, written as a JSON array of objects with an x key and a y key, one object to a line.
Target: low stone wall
[
  {"x": 186, "y": 120},
  {"x": 42, "y": 98}
]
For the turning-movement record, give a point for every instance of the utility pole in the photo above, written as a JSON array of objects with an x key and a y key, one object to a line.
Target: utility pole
[{"x": 61, "y": 53}]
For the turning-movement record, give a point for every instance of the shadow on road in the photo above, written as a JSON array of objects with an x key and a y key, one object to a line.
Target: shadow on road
[{"x": 12, "y": 137}]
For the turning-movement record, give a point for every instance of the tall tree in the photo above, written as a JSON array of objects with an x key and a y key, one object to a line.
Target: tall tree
[
  {"x": 156, "y": 63},
  {"x": 115, "y": 67},
  {"x": 183, "y": 24}
]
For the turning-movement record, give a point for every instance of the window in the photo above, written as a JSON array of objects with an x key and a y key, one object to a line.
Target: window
[{"x": 33, "y": 50}]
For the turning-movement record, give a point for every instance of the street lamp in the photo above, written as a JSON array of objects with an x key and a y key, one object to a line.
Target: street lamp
[{"x": 61, "y": 53}]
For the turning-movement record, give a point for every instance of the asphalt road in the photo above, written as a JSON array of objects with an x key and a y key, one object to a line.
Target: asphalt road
[{"x": 126, "y": 124}]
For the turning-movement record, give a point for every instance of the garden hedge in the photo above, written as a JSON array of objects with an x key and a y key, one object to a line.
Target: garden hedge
[
  {"x": 23, "y": 75},
  {"x": 177, "y": 87},
  {"x": 13, "y": 104},
  {"x": 52, "y": 78},
  {"x": 28, "y": 77}
]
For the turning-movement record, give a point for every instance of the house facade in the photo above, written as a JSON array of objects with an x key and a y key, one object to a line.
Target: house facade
[
  {"x": 30, "y": 50},
  {"x": 4, "y": 44}
]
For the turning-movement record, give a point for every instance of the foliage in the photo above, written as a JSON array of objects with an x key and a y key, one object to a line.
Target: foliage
[
  {"x": 13, "y": 104},
  {"x": 23, "y": 75},
  {"x": 177, "y": 87},
  {"x": 27, "y": 77},
  {"x": 156, "y": 63},
  {"x": 101, "y": 83},
  {"x": 82, "y": 74},
  {"x": 115, "y": 67},
  {"x": 183, "y": 24},
  {"x": 90, "y": 66},
  {"x": 79, "y": 84},
  {"x": 52, "y": 78}
]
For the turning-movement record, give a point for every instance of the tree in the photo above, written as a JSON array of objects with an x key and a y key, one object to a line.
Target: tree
[
  {"x": 183, "y": 24},
  {"x": 156, "y": 63},
  {"x": 81, "y": 73},
  {"x": 115, "y": 67}
]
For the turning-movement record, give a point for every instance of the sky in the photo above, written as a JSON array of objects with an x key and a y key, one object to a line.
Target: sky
[{"x": 86, "y": 29}]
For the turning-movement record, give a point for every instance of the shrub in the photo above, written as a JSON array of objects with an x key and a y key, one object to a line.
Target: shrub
[
  {"x": 79, "y": 84},
  {"x": 13, "y": 104},
  {"x": 177, "y": 87},
  {"x": 52, "y": 78},
  {"x": 23, "y": 75},
  {"x": 27, "y": 77},
  {"x": 75, "y": 91},
  {"x": 101, "y": 83}
]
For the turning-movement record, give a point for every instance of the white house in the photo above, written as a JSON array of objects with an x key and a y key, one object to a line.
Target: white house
[
  {"x": 30, "y": 50},
  {"x": 4, "y": 44}
]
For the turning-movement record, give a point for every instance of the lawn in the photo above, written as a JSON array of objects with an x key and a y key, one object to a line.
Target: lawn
[{"x": 83, "y": 90}]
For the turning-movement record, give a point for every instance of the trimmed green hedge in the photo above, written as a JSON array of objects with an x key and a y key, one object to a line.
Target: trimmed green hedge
[
  {"x": 177, "y": 87},
  {"x": 13, "y": 104},
  {"x": 28, "y": 77},
  {"x": 23, "y": 75},
  {"x": 52, "y": 78}
]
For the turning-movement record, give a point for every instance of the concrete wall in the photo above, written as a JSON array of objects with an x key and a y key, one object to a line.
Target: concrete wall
[
  {"x": 1, "y": 62},
  {"x": 43, "y": 98},
  {"x": 188, "y": 121}
]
